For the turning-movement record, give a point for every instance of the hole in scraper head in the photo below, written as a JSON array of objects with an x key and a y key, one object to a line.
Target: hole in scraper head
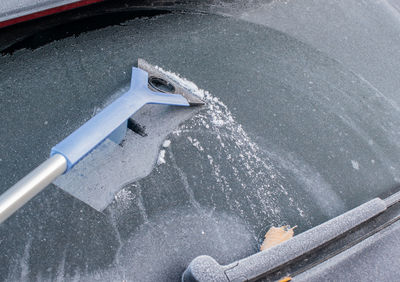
[
  {"x": 161, "y": 85},
  {"x": 157, "y": 84}
]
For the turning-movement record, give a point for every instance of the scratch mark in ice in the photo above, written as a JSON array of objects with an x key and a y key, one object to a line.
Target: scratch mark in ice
[{"x": 186, "y": 185}]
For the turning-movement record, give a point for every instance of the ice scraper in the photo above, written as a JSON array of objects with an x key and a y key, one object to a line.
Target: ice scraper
[{"x": 109, "y": 124}]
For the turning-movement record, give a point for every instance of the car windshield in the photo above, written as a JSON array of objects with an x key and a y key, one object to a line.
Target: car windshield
[{"x": 300, "y": 125}]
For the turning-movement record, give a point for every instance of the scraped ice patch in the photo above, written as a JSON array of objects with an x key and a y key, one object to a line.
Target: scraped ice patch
[
  {"x": 124, "y": 197},
  {"x": 355, "y": 164},
  {"x": 195, "y": 143},
  {"x": 166, "y": 143},
  {"x": 161, "y": 157},
  {"x": 238, "y": 165}
]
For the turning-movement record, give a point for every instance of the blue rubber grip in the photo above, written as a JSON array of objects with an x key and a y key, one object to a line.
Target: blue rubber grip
[{"x": 83, "y": 140}]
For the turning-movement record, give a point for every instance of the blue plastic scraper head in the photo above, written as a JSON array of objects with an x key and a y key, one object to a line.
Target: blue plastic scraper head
[{"x": 97, "y": 166}]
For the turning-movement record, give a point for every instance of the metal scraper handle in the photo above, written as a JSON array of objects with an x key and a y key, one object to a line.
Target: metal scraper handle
[
  {"x": 25, "y": 189},
  {"x": 82, "y": 141}
]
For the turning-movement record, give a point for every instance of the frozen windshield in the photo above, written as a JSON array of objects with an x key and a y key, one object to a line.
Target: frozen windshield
[{"x": 293, "y": 132}]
